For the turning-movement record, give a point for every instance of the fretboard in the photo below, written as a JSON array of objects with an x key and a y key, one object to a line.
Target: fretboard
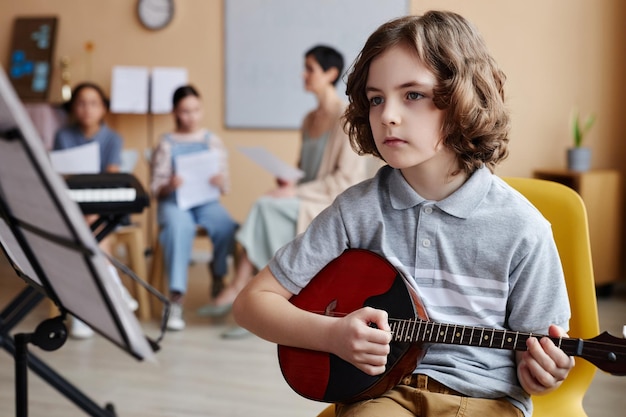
[{"x": 422, "y": 331}]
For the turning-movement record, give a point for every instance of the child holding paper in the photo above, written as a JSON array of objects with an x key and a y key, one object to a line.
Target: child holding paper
[
  {"x": 178, "y": 224},
  {"x": 87, "y": 108},
  {"x": 330, "y": 166}
]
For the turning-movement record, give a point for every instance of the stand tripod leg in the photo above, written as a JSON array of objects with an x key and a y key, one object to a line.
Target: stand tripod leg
[
  {"x": 60, "y": 384},
  {"x": 10, "y": 316},
  {"x": 19, "y": 307},
  {"x": 21, "y": 374}
]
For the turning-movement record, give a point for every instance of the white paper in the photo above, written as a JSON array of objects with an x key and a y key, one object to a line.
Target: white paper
[
  {"x": 129, "y": 90},
  {"x": 84, "y": 159},
  {"x": 164, "y": 81},
  {"x": 196, "y": 169},
  {"x": 272, "y": 163}
]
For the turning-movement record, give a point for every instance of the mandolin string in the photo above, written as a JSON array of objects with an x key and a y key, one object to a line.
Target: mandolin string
[{"x": 592, "y": 349}]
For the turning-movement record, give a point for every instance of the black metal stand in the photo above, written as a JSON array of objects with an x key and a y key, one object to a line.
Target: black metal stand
[
  {"x": 49, "y": 335},
  {"x": 28, "y": 183}
]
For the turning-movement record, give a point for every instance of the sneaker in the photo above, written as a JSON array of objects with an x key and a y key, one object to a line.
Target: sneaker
[
  {"x": 80, "y": 330},
  {"x": 235, "y": 332},
  {"x": 130, "y": 301},
  {"x": 132, "y": 304},
  {"x": 175, "y": 320},
  {"x": 211, "y": 310}
]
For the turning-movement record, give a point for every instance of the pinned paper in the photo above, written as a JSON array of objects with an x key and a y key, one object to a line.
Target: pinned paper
[
  {"x": 129, "y": 90},
  {"x": 141, "y": 90},
  {"x": 164, "y": 81}
]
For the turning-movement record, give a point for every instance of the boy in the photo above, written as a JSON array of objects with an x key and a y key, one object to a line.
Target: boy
[{"x": 427, "y": 98}]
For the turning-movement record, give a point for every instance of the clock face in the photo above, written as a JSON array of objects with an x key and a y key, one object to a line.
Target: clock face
[{"x": 155, "y": 14}]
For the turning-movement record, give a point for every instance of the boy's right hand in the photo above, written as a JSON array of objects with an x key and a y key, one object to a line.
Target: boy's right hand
[{"x": 362, "y": 338}]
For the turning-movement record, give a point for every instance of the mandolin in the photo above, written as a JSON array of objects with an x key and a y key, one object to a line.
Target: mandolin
[{"x": 325, "y": 377}]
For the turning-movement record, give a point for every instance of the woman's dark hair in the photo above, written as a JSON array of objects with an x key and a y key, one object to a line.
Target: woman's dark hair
[
  {"x": 182, "y": 92},
  {"x": 470, "y": 86},
  {"x": 69, "y": 105},
  {"x": 328, "y": 58}
]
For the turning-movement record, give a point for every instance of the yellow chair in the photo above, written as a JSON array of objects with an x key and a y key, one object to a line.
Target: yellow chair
[{"x": 565, "y": 210}]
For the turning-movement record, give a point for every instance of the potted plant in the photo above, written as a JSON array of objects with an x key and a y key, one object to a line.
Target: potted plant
[{"x": 579, "y": 156}]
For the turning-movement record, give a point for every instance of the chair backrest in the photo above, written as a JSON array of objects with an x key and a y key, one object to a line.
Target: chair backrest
[
  {"x": 565, "y": 210},
  {"x": 129, "y": 160}
]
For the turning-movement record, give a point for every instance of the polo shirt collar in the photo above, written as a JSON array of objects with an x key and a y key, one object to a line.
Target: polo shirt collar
[{"x": 460, "y": 204}]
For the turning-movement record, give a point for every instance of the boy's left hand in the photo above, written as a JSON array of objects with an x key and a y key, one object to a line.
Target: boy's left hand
[{"x": 543, "y": 367}]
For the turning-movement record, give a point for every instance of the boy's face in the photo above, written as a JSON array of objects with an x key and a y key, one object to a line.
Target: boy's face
[{"x": 405, "y": 122}]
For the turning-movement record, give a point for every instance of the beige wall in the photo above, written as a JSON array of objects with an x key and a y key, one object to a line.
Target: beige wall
[{"x": 558, "y": 54}]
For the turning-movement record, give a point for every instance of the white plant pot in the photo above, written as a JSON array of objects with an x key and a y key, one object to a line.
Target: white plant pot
[{"x": 579, "y": 159}]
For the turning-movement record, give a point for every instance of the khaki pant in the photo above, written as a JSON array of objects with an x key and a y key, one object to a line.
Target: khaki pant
[{"x": 420, "y": 396}]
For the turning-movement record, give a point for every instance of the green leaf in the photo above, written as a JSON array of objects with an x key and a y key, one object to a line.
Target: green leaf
[{"x": 579, "y": 133}]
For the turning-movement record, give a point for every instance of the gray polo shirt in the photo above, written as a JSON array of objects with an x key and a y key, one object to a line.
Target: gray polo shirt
[{"x": 484, "y": 256}]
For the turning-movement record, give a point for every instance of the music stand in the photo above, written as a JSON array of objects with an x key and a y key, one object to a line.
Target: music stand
[{"x": 46, "y": 239}]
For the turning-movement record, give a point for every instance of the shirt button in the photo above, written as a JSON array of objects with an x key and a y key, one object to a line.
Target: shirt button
[
  {"x": 428, "y": 210},
  {"x": 426, "y": 243}
]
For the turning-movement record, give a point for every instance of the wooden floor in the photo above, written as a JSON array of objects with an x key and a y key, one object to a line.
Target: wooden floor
[{"x": 200, "y": 374}]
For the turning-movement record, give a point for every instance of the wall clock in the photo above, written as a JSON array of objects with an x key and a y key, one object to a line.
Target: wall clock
[{"x": 155, "y": 14}]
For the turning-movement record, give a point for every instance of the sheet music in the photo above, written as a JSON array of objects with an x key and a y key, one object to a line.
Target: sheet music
[
  {"x": 84, "y": 159},
  {"x": 272, "y": 163},
  {"x": 196, "y": 169},
  {"x": 129, "y": 90},
  {"x": 164, "y": 81}
]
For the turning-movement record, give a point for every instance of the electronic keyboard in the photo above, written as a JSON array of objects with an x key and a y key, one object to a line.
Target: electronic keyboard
[{"x": 107, "y": 193}]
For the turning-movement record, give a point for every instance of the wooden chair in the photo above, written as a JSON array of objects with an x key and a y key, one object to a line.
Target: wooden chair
[
  {"x": 565, "y": 210},
  {"x": 131, "y": 237}
]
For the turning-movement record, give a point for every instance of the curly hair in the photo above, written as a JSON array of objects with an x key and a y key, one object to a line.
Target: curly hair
[{"x": 469, "y": 86}]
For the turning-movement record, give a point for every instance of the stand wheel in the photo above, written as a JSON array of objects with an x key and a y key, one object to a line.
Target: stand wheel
[
  {"x": 110, "y": 408},
  {"x": 50, "y": 335}
]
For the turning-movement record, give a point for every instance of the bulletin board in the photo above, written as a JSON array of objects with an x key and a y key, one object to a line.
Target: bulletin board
[
  {"x": 31, "y": 54},
  {"x": 265, "y": 42}
]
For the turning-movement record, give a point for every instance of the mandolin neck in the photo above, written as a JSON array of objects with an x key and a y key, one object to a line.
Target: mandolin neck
[{"x": 423, "y": 331}]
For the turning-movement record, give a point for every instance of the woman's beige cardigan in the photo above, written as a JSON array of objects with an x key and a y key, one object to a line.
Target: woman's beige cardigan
[{"x": 341, "y": 167}]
